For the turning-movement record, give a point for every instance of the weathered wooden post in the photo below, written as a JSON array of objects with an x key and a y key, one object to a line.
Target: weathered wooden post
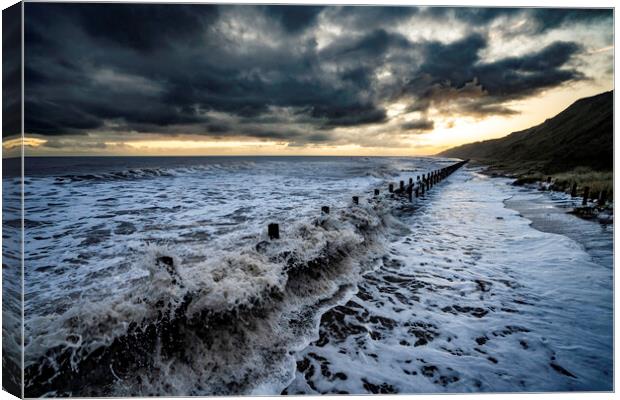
[
  {"x": 417, "y": 191},
  {"x": 586, "y": 193},
  {"x": 356, "y": 200},
  {"x": 573, "y": 190},
  {"x": 376, "y": 192},
  {"x": 402, "y": 186},
  {"x": 325, "y": 210},
  {"x": 410, "y": 192},
  {"x": 548, "y": 179},
  {"x": 273, "y": 230},
  {"x": 391, "y": 187},
  {"x": 411, "y": 181}
]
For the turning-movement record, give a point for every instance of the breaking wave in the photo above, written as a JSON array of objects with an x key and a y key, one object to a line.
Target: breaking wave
[
  {"x": 225, "y": 325},
  {"x": 145, "y": 173}
]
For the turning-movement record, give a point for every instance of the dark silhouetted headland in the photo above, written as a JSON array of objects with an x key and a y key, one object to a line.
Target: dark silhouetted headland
[{"x": 579, "y": 136}]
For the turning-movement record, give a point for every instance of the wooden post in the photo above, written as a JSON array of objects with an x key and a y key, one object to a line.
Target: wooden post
[
  {"x": 573, "y": 190},
  {"x": 411, "y": 181},
  {"x": 417, "y": 191},
  {"x": 586, "y": 193},
  {"x": 410, "y": 192},
  {"x": 325, "y": 210},
  {"x": 548, "y": 179},
  {"x": 376, "y": 192},
  {"x": 356, "y": 200},
  {"x": 273, "y": 230},
  {"x": 391, "y": 187},
  {"x": 402, "y": 185}
]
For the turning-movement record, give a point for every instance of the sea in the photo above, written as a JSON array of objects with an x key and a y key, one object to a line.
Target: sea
[{"x": 156, "y": 276}]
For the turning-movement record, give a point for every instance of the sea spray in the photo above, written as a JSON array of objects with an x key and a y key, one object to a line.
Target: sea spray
[
  {"x": 220, "y": 326},
  {"x": 99, "y": 304}
]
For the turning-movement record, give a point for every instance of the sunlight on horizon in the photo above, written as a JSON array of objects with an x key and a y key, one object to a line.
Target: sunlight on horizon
[{"x": 448, "y": 132}]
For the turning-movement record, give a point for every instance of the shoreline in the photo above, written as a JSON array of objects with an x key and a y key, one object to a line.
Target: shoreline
[
  {"x": 533, "y": 180},
  {"x": 549, "y": 215},
  {"x": 412, "y": 317}
]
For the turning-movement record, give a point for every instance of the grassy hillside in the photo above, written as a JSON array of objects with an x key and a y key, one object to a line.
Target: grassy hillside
[{"x": 579, "y": 136}]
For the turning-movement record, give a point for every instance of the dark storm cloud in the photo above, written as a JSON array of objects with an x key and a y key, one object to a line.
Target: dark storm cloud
[
  {"x": 518, "y": 76},
  {"x": 453, "y": 72},
  {"x": 294, "y": 19},
  {"x": 259, "y": 71},
  {"x": 11, "y": 71},
  {"x": 370, "y": 17},
  {"x": 419, "y": 125},
  {"x": 549, "y": 18},
  {"x": 220, "y": 128},
  {"x": 452, "y": 62},
  {"x": 349, "y": 115},
  {"x": 143, "y": 28},
  {"x": 370, "y": 46}
]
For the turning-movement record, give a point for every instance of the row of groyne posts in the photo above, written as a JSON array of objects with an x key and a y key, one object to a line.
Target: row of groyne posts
[
  {"x": 600, "y": 197},
  {"x": 417, "y": 189}
]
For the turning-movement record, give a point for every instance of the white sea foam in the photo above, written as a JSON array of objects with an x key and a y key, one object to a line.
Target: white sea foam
[
  {"x": 474, "y": 299},
  {"x": 238, "y": 309},
  {"x": 236, "y": 306}
]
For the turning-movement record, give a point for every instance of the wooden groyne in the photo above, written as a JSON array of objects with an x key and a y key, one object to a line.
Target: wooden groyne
[
  {"x": 593, "y": 204},
  {"x": 599, "y": 198},
  {"x": 167, "y": 326},
  {"x": 413, "y": 190}
]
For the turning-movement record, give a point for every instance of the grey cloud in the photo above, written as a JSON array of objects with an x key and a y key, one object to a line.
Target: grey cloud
[
  {"x": 455, "y": 73},
  {"x": 418, "y": 125},
  {"x": 11, "y": 71},
  {"x": 169, "y": 69}
]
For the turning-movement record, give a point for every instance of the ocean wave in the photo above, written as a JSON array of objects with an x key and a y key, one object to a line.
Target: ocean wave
[
  {"x": 145, "y": 173},
  {"x": 221, "y": 326},
  {"x": 121, "y": 175}
]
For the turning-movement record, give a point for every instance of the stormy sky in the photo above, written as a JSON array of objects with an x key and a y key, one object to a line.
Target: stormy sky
[{"x": 207, "y": 79}]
